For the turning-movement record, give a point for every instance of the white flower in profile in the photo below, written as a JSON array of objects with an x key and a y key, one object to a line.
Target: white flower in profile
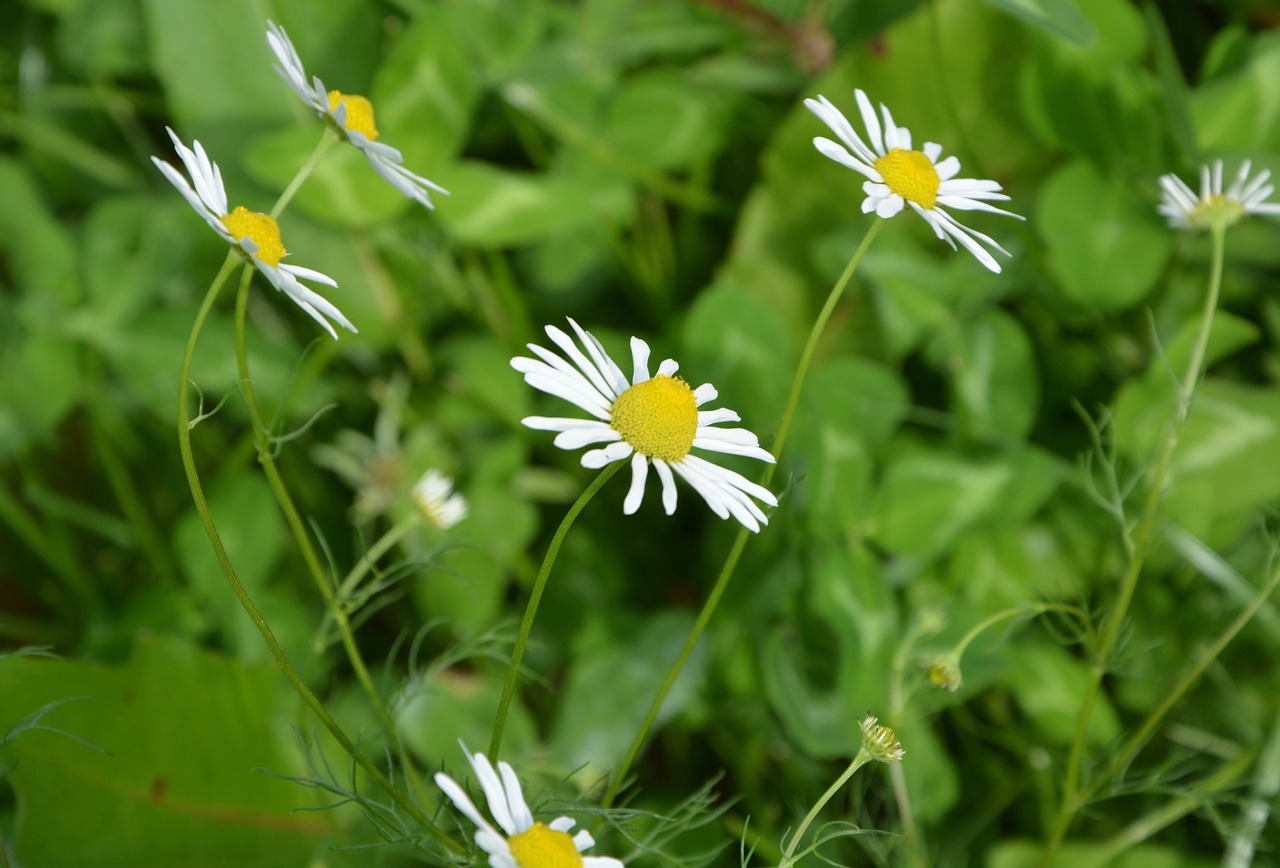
[
  {"x": 522, "y": 842},
  {"x": 1185, "y": 210},
  {"x": 437, "y": 501},
  {"x": 898, "y": 176},
  {"x": 351, "y": 116},
  {"x": 653, "y": 420},
  {"x": 256, "y": 235}
]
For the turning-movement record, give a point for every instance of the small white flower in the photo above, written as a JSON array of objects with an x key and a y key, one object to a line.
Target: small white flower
[
  {"x": 352, "y": 116},
  {"x": 879, "y": 742},
  {"x": 522, "y": 842},
  {"x": 899, "y": 176},
  {"x": 437, "y": 500},
  {"x": 257, "y": 235},
  {"x": 650, "y": 419},
  {"x": 1185, "y": 210}
]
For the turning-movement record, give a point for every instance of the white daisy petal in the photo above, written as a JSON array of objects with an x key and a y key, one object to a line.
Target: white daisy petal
[
  {"x": 601, "y": 862},
  {"x": 494, "y": 793},
  {"x": 563, "y": 824},
  {"x": 669, "y": 494},
  {"x": 639, "y": 361},
  {"x": 583, "y": 841},
  {"x": 650, "y": 421},
  {"x": 635, "y": 494},
  {"x": 520, "y": 813},
  {"x": 870, "y": 121}
]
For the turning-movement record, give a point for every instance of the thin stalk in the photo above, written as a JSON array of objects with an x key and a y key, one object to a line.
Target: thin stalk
[
  {"x": 242, "y": 595},
  {"x": 348, "y": 585},
  {"x": 325, "y": 145},
  {"x": 301, "y": 534},
  {"x": 535, "y": 597},
  {"x": 740, "y": 542},
  {"x": 789, "y": 852},
  {"x": 56, "y": 557},
  {"x": 1071, "y": 795}
]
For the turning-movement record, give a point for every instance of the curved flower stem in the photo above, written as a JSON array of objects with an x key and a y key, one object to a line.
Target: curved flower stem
[
  {"x": 788, "y": 853},
  {"x": 535, "y": 597},
  {"x": 1012, "y": 612},
  {"x": 323, "y": 581},
  {"x": 735, "y": 552},
  {"x": 237, "y": 587},
  {"x": 1072, "y": 797},
  {"x": 327, "y": 141}
]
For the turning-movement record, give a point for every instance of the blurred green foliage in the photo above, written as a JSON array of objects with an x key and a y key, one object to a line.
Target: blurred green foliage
[{"x": 647, "y": 168}]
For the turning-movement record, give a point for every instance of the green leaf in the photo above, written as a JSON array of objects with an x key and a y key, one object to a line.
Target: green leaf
[
  {"x": 1241, "y": 111},
  {"x": 1106, "y": 247},
  {"x": 927, "y": 500},
  {"x": 1048, "y": 684},
  {"x": 1059, "y": 17},
  {"x": 616, "y": 681},
  {"x": 994, "y": 380},
  {"x": 493, "y": 207},
  {"x": 664, "y": 120},
  {"x": 183, "y": 733}
]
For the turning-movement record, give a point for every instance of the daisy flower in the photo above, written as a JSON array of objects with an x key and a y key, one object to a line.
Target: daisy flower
[
  {"x": 898, "y": 176},
  {"x": 522, "y": 843},
  {"x": 351, "y": 116},
  {"x": 438, "y": 502},
  {"x": 653, "y": 420},
  {"x": 256, "y": 235},
  {"x": 1185, "y": 210}
]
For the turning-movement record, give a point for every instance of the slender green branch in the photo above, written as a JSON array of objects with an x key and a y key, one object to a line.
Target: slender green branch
[
  {"x": 242, "y": 595},
  {"x": 1071, "y": 790},
  {"x": 301, "y": 534},
  {"x": 788, "y": 853},
  {"x": 327, "y": 141},
  {"x": 366, "y": 563},
  {"x": 740, "y": 542},
  {"x": 535, "y": 597}
]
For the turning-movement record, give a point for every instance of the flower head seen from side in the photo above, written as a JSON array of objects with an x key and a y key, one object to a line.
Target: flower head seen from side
[
  {"x": 898, "y": 176},
  {"x": 352, "y": 116},
  {"x": 256, "y": 235},
  {"x": 437, "y": 501},
  {"x": 652, "y": 419},
  {"x": 519, "y": 841},
  {"x": 879, "y": 742},
  {"x": 1215, "y": 206}
]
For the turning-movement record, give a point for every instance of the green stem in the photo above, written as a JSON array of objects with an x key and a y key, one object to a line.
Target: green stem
[
  {"x": 1012, "y": 612},
  {"x": 535, "y": 597},
  {"x": 1071, "y": 792},
  {"x": 352, "y": 580},
  {"x": 858, "y": 762},
  {"x": 731, "y": 561},
  {"x": 301, "y": 534},
  {"x": 327, "y": 141},
  {"x": 242, "y": 595}
]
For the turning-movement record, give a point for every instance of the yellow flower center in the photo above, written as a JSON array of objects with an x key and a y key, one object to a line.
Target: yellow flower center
[
  {"x": 261, "y": 229},
  {"x": 911, "y": 175},
  {"x": 1216, "y": 208},
  {"x": 359, "y": 113},
  {"x": 540, "y": 846},
  {"x": 658, "y": 417}
]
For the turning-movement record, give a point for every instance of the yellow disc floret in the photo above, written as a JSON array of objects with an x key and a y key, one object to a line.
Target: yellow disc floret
[
  {"x": 1216, "y": 208},
  {"x": 911, "y": 175},
  {"x": 259, "y": 228},
  {"x": 540, "y": 846},
  {"x": 359, "y": 113},
  {"x": 658, "y": 417}
]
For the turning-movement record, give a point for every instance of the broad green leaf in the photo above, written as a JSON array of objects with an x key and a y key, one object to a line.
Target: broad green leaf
[
  {"x": 183, "y": 733},
  {"x": 103, "y": 38},
  {"x": 1088, "y": 854},
  {"x": 493, "y": 207},
  {"x": 734, "y": 342},
  {"x": 664, "y": 120},
  {"x": 616, "y": 681},
  {"x": 40, "y": 251},
  {"x": 1106, "y": 247},
  {"x": 927, "y": 500},
  {"x": 1048, "y": 684},
  {"x": 1014, "y": 565},
  {"x": 1241, "y": 111},
  {"x": 1059, "y": 17},
  {"x": 995, "y": 385},
  {"x": 451, "y": 705}
]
